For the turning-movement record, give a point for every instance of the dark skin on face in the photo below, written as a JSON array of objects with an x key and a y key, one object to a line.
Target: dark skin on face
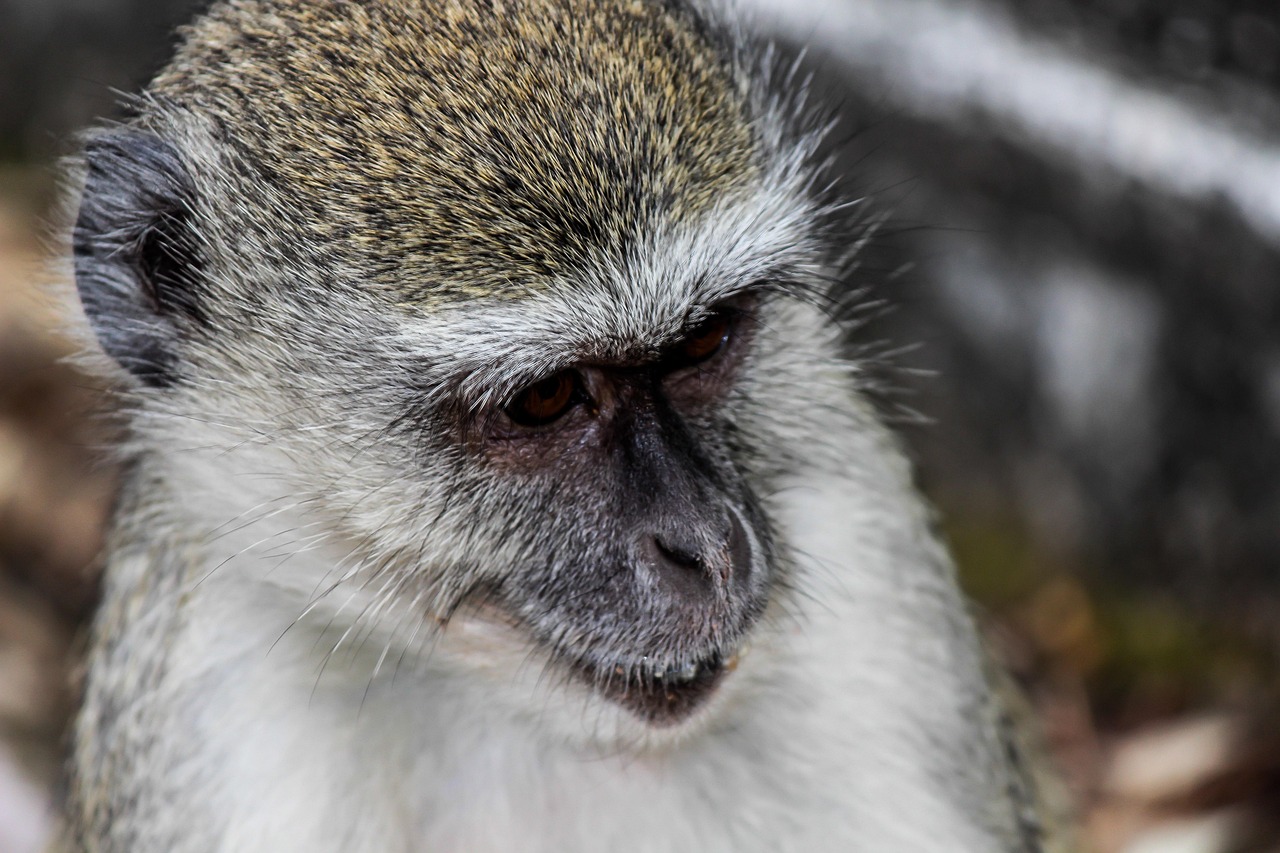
[
  {"x": 548, "y": 400},
  {"x": 686, "y": 573}
]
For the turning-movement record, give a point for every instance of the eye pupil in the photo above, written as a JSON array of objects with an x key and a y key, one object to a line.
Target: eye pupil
[
  {"x": 544, "y": 401},
  {"x": 547, "y": 389}
]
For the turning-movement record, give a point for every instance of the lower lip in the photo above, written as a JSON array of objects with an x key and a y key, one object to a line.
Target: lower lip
[{"x": 659, "y": 702}]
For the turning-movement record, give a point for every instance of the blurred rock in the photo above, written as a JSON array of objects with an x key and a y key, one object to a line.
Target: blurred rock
[
  {"x": 25, "y": 819},
  {"x": 1174, "y": 761},
  {"x": 33, "y": 659},
  {"x": 54, "y": 485},
  {"x": 54, "y": 494},
  {"x": 1211, "y": 833}
]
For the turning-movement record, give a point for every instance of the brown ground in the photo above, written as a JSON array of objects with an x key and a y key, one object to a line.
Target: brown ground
[{"x": 1160, "y": 723}]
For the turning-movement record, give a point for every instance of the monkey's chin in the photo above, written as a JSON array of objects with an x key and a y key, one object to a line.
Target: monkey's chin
[
  {"x": 661, "y": 697},
  {"x": 664, "y": 698}
]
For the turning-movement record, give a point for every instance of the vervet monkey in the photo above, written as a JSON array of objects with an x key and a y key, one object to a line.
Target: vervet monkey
[{"x": 495, "y": 477}]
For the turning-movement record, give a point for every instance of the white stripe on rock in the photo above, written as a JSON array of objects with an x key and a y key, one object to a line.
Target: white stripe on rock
[{"x": 944, "y": 60}]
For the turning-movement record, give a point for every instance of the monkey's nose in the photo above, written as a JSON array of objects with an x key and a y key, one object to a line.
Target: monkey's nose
[
  {"x": 680, "y": 569},
  {"x": 693, "y": 570}
]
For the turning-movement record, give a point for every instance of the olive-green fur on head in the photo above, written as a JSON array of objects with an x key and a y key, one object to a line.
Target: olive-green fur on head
[{"x": 447, "y": 149}]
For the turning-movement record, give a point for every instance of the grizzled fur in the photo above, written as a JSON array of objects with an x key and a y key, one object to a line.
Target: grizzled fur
[
  {"x": 465, "y": 156},
  {"x": 347, "y": 609}
]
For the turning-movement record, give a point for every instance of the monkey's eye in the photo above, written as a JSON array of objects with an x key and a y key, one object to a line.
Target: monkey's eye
[
  {"x": 545, "y": 401},
  {"x": 707, "y": 338}
]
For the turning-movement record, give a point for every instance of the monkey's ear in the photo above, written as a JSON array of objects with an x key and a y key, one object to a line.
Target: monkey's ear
[{"x": 138, "y": 265}]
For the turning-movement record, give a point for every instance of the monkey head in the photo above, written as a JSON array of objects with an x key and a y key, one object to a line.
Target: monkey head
[{"x": 476, "y": 318}]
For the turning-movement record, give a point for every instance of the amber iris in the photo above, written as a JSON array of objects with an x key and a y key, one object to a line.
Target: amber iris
[
  {"x": 707, "y": 338},
  {"x": 545, "y": 401}
]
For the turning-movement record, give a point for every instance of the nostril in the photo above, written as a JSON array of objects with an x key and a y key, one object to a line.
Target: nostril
[
  {"x": 681, "y": 555},
  {"x": 679, "y": 570}
]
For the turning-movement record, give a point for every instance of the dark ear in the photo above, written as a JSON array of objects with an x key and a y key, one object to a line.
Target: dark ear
[{"x": 138, "y": 265}]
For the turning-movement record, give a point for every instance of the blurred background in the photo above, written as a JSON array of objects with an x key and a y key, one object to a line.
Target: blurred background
[{"x": 1082, "y": 262}]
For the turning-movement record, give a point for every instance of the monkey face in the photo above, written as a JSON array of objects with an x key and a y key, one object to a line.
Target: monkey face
[
  {"x": 418, "y": 372},
  {"x": 645, "y": 558},
  {"x": 585, "y": 466}
]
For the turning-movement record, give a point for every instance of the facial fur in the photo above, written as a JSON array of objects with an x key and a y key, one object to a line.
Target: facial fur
[
  {"x": 495, "y": 475},
  {"x": 353, "y": 326}
]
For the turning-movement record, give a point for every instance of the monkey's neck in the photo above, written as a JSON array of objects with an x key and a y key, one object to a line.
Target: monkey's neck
[{"x": 860, "y": 718}]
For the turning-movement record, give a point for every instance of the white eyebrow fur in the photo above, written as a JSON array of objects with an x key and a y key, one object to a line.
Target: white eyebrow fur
[{"x": 671, "y": 279}]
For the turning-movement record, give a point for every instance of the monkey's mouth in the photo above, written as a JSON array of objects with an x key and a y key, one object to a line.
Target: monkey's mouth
[{"x": 660, "y": 695}]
